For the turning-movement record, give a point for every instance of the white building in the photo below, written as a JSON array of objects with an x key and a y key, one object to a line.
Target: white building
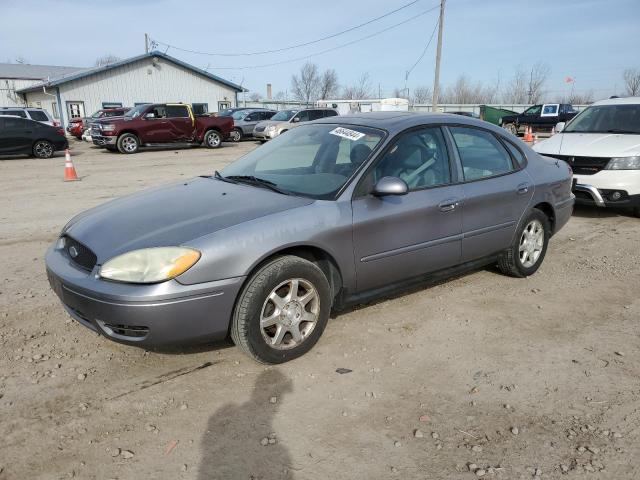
[{"x": 150, "y": 78}]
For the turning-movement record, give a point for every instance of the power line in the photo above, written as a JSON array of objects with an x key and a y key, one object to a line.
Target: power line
[
  {"x": 322, "y": 52},
  {"x": 423, "y": 51},
  {"x": 291, "y": 47}
]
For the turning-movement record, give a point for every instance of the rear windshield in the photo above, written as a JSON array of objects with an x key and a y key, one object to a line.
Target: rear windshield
[
  {"x": 38, "y": 115},
  {"x": 606, "y": 119}
]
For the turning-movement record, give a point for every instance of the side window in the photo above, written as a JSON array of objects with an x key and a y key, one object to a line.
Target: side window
[
  {"x": 481, "y": 154},
  {"x": 330, "y": 113},
  {"x": 302, "y": 116},
  {"x": 515, "y": 153},
  {"x": 177, "y": 111},
  {"x": 419, "y": 158},
  {"x": 535, "y": 110},
  {"x": 315, "y": 114},
  {"x": 38, "y": 115},
  {"x": 159, "y": 111},
  {"x": 268, "y": 115},
  {"x": 19, "y": 113},
  {"x": 14, "y": 123}
]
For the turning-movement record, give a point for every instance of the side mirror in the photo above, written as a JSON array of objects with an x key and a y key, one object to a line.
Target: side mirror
[
  {"x": 150, "y": 115},
  {"x": 295, "y": 119},
  {"x": 560, "y": 126},
  {"x": 390, "y": 186}
]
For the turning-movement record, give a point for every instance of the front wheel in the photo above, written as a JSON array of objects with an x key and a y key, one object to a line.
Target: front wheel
[
  {"x": 511, "y": 128},
  {"x": 43, "y": 149},
  {"x": 128, "y": 143},
  {"x": 282, "y": 310},
  {"x": 236, "y": 135},
  {"x": 525, "y": 256},
  {"x": 212, "y": 139}
]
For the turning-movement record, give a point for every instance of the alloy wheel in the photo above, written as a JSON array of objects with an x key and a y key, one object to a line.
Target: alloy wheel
[
  {"x": 43, "y": 149},
  {"x": 129, "y": 144},
  {"x": 289, "y": 314},
  {"x": 531, "y": 243}
]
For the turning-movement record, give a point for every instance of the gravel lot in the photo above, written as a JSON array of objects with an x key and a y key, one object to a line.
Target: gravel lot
[{"x": 483, "y": 375}]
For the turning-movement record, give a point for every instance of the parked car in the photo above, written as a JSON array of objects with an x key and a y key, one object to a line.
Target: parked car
[
  {"x": 287, "y": 119},
  {"x": 37, "y": 114},
  {"x": 466, "y": 114},
  {"x": 602, "y": 146},
  {"x": 540, "y": 117},
  {"x": 158, "y": 124},
  {"x": 335, "y": 212},
  {"x": 22, "y": 136},
  {"x": 245, "y": 121},
  {"x": 227, "y": 112},
  {"x": 78, "y": 126}
]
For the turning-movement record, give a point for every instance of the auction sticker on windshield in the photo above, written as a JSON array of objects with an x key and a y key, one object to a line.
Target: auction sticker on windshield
[{"x": 347, "y": 133}]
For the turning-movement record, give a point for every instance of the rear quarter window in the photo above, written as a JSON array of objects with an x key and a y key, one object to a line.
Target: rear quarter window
[
  {"x": 515, "y": 152},
  {"x": 177, "y": 111},
  {"x": 38, "y": 115},
  {"x": 481, "y": 153}
]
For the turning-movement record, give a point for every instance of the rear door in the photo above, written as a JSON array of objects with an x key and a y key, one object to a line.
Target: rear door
[
  {"x": 181, "y": 124},
  {"x": 16, "y": 135},
  {"x": 399, "y": 237},
  {"x": 496, "y": 192}
]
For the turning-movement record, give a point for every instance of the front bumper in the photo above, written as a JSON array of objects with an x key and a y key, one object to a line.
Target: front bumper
[
  {"x": 160, "y": 315},
  {"x": 608, "y": 189},
  {"x": 103, "y": 140},
  {"x": 264, "y": 135}
]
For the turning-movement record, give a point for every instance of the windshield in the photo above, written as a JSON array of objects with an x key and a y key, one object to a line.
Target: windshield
[
  {"x": 312, "y": 161},
  {"x": 284, "y": 115},
  {"x": 97, "y": 114},
  {"x": 606, "y": 119},
  {"x": 240, "y": 114},
  {"x": 136, "y": 111}
]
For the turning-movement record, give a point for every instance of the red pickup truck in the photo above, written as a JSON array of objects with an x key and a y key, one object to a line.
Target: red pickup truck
[
  {"x": 160, "y": 124},
  {"x": 77, "y": 126}
]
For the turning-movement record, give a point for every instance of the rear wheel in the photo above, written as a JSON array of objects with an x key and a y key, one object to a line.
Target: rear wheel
[
  {"x": 128, "y": 143},
  {"x": 236, "y": 135},
  {"x": 212, "y": 139},
  {"x": 282, "y": 310},
  {"x": 43, "y": 149},
  {"x": 525, "y": 256}
]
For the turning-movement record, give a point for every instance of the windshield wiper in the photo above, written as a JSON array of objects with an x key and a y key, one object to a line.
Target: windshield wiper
[
  {"x": 217, "y": 175},
  {"x": 260, "y": 182}
]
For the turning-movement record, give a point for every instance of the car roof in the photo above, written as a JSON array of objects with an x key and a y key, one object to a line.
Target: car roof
[
  {"x": 21, "y": 108},
  {"x": 619, "y": 101},
  {"x": 395, "y": 122}
]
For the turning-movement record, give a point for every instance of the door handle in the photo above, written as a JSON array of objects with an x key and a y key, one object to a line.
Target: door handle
[
  {"x": 448, "y": 205},
  {"x": 523, "y": 188}
]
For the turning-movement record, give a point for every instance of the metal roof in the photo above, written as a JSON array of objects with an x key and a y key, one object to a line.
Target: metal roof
[
  {"x": 92, "y": 71},
  {"x": 23, "y": 71}
]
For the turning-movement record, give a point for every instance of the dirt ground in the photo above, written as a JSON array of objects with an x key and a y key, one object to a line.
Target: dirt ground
[{"x": 524, "y": 378}]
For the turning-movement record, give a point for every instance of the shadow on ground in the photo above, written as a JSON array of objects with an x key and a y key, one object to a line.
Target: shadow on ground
[{"x": 233, "y": 444}]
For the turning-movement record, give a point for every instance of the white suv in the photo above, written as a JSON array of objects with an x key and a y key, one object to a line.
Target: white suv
[
  {"x": 37, "y": 114},
  {"x": 602, "y": 146}
]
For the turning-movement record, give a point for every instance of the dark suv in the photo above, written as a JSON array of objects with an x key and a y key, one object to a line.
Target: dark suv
[{"x": 540, "y": 117}]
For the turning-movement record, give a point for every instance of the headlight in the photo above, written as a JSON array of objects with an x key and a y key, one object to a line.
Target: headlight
[
  {"x": 108, "y": 127},
  {"x": 624, "y": 163},
  {"x": 271, "y": 128},
  {"x": 150, "y": 265}
]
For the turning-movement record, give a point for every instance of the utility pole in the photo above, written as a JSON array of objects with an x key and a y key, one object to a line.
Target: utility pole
[
  {"x": 146, "y": 43},
  {"x": 436, "y": 81}
]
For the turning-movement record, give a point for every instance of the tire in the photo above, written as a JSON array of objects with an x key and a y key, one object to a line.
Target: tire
[
  {"x": 276, "y": 342},
  {"x": 236, "y": 135},
  {"x": 43, "y": 149},
  {"x": 212, "y": 139},
  {"x": 636, "y": 211},
  {"x": 526, "y": 254},
  {"x": 511, "y": 128},
  {"x": 128, "y": 143},
  {"x": 111, "y": 148}
]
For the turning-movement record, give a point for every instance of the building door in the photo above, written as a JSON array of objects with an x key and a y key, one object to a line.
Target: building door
[
  {"x": 75, "y": 110},
  {"x": 223, "y": 106}
]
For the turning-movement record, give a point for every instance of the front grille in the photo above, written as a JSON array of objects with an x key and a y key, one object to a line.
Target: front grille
[
  {"x": 259, "y": 129},
  {"x": 133, "y": 331},
  {"x": 583, "y": 165},
  {"x": 79, "y": 254}
]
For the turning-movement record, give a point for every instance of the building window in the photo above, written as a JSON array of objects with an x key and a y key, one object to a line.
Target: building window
[
  {"x": 54, "y": 108},
  {"x": 200, "y": 108},
  {"x": 111, "y": 104}
]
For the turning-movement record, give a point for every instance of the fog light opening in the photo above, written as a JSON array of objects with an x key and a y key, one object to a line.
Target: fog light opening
[{"x": 616, "y": 196}]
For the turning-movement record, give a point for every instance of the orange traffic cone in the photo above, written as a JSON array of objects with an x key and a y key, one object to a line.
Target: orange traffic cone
[
  {"x": 69, "y": 170},
  {"x": 528, "y": 137}
]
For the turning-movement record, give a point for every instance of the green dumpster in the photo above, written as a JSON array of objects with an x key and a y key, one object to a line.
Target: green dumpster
[{"x": 493, "y": 115}]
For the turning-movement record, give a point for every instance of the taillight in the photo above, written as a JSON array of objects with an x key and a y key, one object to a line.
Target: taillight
[{"x": 56, "y": 123}]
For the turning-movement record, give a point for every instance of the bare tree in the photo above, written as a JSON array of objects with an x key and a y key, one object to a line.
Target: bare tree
[
  {"x": 279, "y": 96},
  {"x": 537, "y": 78},
  {"x": 306, "y": 85},
  {"x": 400, "y": 93},
  {"x": 632, "y": 81},
  {"x": 21, "y": 59},
  {"x": 107, "y": 59},
  {"x": 421, "y": 95},
  {"x": 577, "y": 98},
  {"x": 254, "y": 97},
  {"x": 329, "y": 84},
  {"x": 516, "y": 90},
  {"x": 360, "y": 89}
]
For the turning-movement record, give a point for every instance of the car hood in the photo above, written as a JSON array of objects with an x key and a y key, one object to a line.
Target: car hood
[
  {"x": 173, "y": 215},
  {"x": 590, "y": 145}
]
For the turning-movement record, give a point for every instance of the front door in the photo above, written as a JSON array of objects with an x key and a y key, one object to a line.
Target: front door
[
  {"x": 156, "y": 127},
  {"x": 496, "y": 192},
  {"x": 181, "y": 123},
  {"x": 400, "y": 237}
]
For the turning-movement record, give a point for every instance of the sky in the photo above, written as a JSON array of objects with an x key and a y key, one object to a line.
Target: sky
[{"x": 592, "y": 41}]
